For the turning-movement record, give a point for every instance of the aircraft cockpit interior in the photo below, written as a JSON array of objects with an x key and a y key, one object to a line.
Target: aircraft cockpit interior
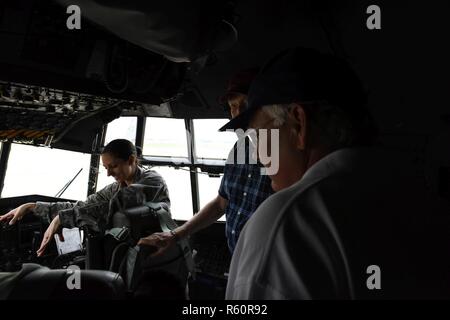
[{"x": 78, "y": 76}]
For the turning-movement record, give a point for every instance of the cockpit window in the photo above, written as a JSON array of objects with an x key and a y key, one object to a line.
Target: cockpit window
[
  {"x": 209, "y": 142},
  {"x": 165, "y": 137},
  {"x": 165, "y": 147},
  {"x": 179, "y": 184},
  {"x": 121, "y": 128},
  {"x": 45, "y": 171}
]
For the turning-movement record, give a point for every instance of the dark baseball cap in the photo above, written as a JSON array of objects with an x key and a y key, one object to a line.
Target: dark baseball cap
[
  {"x": 239, "y": 83},
  {"x": 303, "y": 75}
]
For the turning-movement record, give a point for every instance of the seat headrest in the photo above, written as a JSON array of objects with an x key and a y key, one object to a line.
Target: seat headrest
[{"x": 67, "y": 284}]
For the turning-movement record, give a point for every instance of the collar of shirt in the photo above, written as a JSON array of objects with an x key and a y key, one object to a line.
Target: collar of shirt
[
  {"x": 337, "y": 161},
  {"x": 137, "y": 176}
]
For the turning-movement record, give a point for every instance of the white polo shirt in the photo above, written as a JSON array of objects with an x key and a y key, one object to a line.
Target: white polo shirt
[{"x": 321, "y": 238}]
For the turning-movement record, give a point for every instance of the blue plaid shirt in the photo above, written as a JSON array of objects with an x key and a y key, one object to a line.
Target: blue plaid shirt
[{"x": 245, "y": 189}]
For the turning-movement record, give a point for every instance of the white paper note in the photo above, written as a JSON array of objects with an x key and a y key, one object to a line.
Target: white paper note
[{"x": 71, "y": 243}]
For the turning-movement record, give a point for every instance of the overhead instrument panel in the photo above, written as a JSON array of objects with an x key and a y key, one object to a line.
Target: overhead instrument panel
[{"x": 51, "y": 117}]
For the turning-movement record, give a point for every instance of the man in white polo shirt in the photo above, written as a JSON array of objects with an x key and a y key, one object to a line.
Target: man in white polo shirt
[{"x": 348, "y": 220}]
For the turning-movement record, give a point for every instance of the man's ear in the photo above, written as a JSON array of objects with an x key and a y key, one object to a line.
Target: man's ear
[{"x": 298, "y": 116}]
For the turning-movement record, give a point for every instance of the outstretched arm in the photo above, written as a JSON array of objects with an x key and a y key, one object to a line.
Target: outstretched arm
[
  {"x": 210, "y": 213},
  {"x": 17, "y": 213}
]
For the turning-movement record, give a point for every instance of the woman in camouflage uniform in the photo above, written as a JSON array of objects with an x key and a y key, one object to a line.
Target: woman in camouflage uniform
[{"x": 133, "y": 187}]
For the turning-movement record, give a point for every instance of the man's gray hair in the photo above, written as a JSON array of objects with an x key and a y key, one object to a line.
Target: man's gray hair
[{"x": 333, "y": 125}]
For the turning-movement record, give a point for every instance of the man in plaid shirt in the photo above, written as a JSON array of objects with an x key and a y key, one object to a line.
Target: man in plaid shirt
[{"x": 243, "y": 187}]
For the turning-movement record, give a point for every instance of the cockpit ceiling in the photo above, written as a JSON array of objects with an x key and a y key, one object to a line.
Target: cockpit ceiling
[
  {"x": 46, "y": 116},
  {"x": 105, "y": 59},
  {"x": 39, "y": 54}
]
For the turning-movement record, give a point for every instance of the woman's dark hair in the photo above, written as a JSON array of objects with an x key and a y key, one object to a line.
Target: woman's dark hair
[{"x": 121, "y": 148}]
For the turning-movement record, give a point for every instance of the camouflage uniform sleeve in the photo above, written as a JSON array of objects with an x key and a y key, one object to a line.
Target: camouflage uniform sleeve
[
  {"x": 94, "y": 215},
  {"x": 49, "y": 210}
]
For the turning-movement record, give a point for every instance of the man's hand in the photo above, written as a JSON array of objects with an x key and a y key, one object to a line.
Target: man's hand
[
  {"x": 53, "y": 228},
  {"x": 161, "y": 240},
  {"x": 17, "y": 213}
]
